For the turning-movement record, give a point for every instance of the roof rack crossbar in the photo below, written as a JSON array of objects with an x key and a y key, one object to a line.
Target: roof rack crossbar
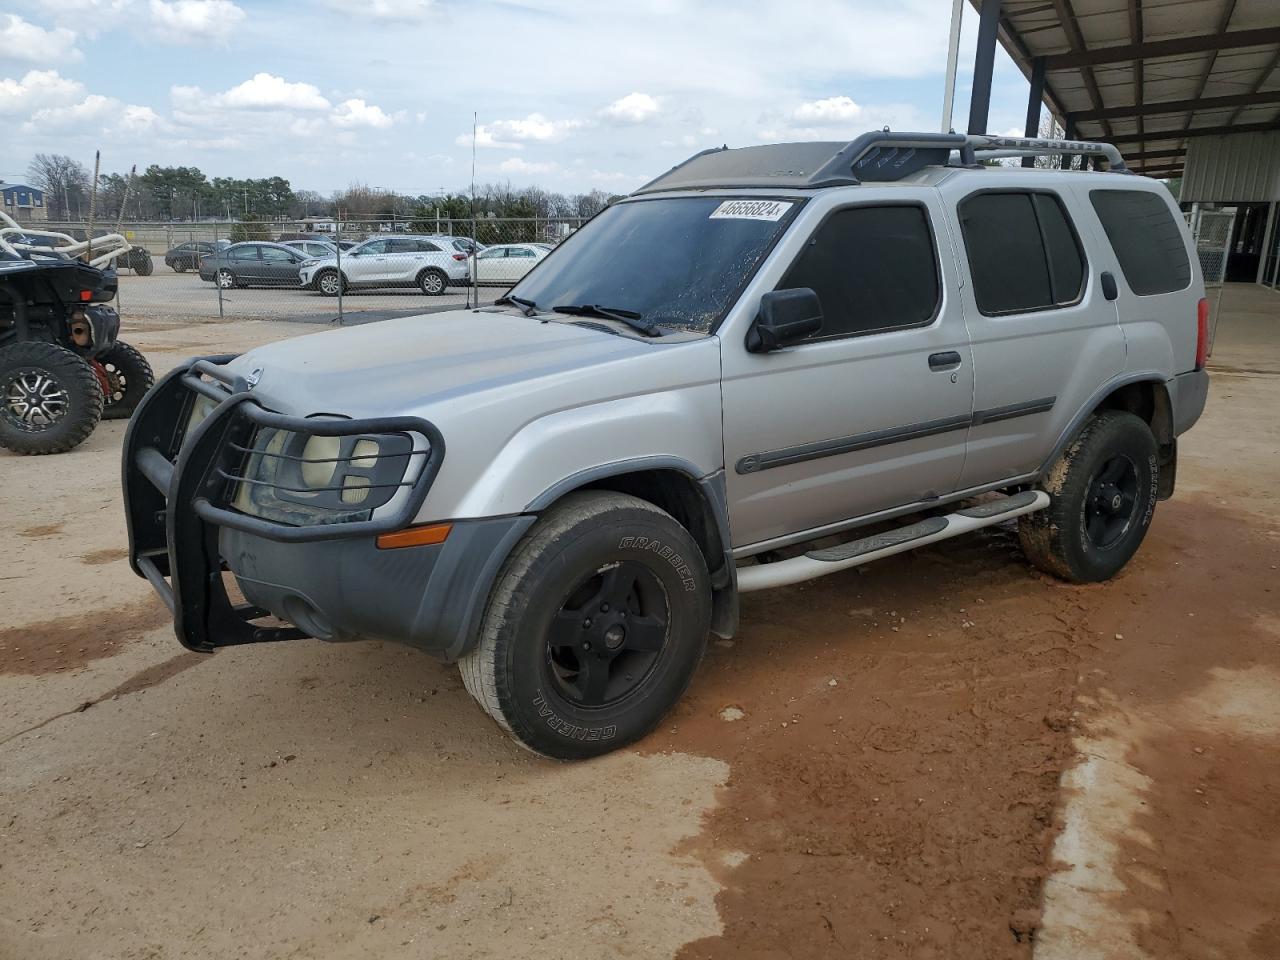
[
  {"x": 1034, "y": 147},
  {"x": 879, "y": 156}
]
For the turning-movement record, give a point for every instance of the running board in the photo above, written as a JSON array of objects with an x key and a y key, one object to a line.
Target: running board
[{"x": 817, "y": 563}]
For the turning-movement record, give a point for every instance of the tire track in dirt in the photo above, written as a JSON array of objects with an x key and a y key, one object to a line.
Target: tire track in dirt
[{"x": 910, "y": 808}]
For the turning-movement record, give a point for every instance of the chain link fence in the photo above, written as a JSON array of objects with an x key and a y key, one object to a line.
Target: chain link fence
[
  {"x": 326, "y": 271},
  {"x": 1212, "y": 231}
]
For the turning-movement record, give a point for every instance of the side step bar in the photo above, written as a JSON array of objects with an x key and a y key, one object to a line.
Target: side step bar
[{"x": 818, "y": 563}]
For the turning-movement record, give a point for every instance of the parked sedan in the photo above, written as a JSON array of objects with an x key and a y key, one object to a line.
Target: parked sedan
[
  {"x": 507, "y": 262},
  {"x": 253, "y": 265},
  {"x": 311, "y": 249},
  {"x": 388, "y": 262},
  {"x": 186, "y": 256}
]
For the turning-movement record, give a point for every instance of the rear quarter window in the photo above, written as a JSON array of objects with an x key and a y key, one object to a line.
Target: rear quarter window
[
  {"x": 1146, "y": 239},
  {"x": 1022, "y": 250}
]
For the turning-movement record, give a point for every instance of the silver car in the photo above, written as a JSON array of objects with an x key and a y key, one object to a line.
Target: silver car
[
  {"x": 768, "y": 365},
  {"x": 394, "y": 261}
]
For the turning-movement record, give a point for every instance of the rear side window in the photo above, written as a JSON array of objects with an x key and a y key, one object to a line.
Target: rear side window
[
  {"x": 873, "y": 268},
  {"x": 1023, "y": 252},
  {"x": 1146, "y": 239}
]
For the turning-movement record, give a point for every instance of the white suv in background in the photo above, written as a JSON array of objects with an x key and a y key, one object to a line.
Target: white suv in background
[{"x": 387, "y": 262}]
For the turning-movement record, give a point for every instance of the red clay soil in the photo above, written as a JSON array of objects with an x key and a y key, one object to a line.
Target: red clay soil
[
  {"x": 908, "y": 809},
  {"x": 69, "y": 642}
]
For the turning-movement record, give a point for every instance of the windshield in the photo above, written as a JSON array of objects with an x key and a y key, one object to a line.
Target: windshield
[{"x": 679, "y": 262}]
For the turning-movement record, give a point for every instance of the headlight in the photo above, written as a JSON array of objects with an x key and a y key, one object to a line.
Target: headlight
[
  {"x": 304, "y": 479},
  {"x": 307, "y": 263}
]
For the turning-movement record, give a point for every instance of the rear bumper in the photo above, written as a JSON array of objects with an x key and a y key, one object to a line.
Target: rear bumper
[
  {"x": 1187, "y": 395},
  {"x": 329, "y": 580}
]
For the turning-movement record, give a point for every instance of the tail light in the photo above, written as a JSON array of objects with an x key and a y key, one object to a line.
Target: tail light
[
  {"x": 1202, "y": 332},
  {"x": 86, "y": 296},
  {"x": 459, "y": 256}
]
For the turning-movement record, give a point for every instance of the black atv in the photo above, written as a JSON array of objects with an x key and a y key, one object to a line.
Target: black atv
[{"x": 61, "y": 367}]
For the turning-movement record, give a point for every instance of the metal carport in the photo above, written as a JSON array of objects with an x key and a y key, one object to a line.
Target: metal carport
[{"x": 1186, "y": 89}]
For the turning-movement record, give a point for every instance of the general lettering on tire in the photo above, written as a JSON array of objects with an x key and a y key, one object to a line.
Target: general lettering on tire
[{"x": 665, "y": 553}]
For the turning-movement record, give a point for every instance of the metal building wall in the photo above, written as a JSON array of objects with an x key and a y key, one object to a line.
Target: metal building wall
[{"x": 1242, "y": 167}]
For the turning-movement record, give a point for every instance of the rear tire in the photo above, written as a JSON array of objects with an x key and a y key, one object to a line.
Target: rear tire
[
  {"x": 179, "y": 267},
  {"x": 50, "y": 399},
  {"x": 1103, "y": 496},
  {"x": 433, "y": 282},
  {"x": 129, "y": 377},
  {"x": 143, "y": 267},
  {"x": 225, "y": 279},
  {"x": 594, "y": 628}
]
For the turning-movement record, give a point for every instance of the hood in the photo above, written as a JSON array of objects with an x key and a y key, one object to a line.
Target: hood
[{"x": 394, "y": 366}]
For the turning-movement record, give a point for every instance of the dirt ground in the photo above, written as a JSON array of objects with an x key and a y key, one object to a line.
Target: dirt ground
[{"x": 944, "y": 754}]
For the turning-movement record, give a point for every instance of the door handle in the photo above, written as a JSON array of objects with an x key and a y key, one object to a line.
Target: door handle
[
  {"x": 947, "y": 360},
  {"x": 1109, "y": 289}
]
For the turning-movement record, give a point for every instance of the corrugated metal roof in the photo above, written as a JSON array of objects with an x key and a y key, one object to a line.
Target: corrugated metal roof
[{"x": 1112, "y": 64}]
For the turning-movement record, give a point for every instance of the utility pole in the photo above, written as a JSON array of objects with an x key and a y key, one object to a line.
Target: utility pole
[{"x": 953, "y": 55}]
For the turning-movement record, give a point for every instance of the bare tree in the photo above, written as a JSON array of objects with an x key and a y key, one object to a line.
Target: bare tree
[{"x": 65, "y": 183}]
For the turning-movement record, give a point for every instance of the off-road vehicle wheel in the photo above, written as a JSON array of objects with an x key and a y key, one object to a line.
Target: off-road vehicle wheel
[
  {"x": 50, "y": 399},
  {"x": 128, "y": 377},
  {"x": 330, "y": 283},
  {"x": 594, "y": 627},
  {"x": 1103, "y": 491},
  {"x": 433, "y": 282}
]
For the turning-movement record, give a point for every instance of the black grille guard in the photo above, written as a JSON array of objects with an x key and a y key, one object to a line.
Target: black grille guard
[{"x": 177, "y": 493}]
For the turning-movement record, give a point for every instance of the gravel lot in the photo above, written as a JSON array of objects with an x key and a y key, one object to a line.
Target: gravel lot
[
  {"x": 166, "y": 295},
  {"x": 909, "y": 742}
]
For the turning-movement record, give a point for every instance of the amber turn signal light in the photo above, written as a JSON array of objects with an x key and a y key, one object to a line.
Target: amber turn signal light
[{"x": 415, "y": 536}]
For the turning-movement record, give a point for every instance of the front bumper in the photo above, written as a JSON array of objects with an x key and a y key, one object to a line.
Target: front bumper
[{"x": 328, "y": 580}]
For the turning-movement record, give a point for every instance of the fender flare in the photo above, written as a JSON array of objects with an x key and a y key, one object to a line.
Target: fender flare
[{"x": 1087, "y": 408}]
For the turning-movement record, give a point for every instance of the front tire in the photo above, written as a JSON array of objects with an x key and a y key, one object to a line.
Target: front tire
[
  {"x": 330, "y": 283},
  {"x": 1103, "y": 491},
  {"x": 128, "y": 378},
  {"x": 433, "y": 282},
  {"x": 594, "y": 628},
  {"x": 50, "y": 399},
  {"x": 143, "y": 266}
]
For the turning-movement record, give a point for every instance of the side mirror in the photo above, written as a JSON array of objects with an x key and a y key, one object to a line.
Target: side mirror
[{"x": 786, "y": 317}]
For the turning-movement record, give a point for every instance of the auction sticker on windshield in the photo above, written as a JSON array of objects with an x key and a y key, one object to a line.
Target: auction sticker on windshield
[{"x": 751, "y": 210}]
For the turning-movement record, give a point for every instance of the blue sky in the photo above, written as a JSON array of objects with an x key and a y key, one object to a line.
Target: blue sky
[{"x": 570, "y": 95}]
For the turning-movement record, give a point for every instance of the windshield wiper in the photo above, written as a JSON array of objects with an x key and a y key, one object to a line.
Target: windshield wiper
[
  {"x": 527, "y": 307},
  {"x": 628, "y": 318}
]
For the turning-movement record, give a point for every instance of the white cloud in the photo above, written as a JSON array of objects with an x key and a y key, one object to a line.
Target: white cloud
[
  {"x": 533, "y": 127},
  {"x": 522, "y": 166},
  {"x": 513, "y": 134},
  {"x": 265, "y": 91},
  {"x": 22, "y": 40},
  {"x": 832, "y": 110},
  {"x": 139, "y": 119},
  {"x": 486, "y": 140},
  {"x": 633, "y": 108},
  {"x": 404, "y": 11},
  {"x": 357, "y": 113},
  {"x": 93, "y": 109},
  {"x": 195, "y": 21},
  {"x": 37, "y": 89}
]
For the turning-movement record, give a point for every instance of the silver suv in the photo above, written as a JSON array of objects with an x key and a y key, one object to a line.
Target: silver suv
[
  {"x": 423, "y": 262},
  {"x": 767, "y": 365}
]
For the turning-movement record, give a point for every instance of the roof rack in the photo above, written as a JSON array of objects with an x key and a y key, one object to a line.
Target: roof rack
[
  {"x": 878, "y": 156},
  {"x": 1033, "y": 147}
]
